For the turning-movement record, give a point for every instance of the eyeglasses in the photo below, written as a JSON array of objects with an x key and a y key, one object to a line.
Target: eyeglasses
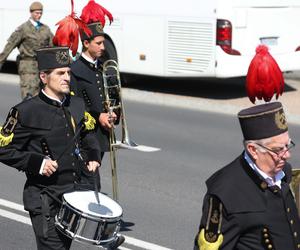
[{"x": 280, "y": 151}]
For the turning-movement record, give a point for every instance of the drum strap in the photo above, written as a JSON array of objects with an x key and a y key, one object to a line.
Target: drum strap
[
  {"x": 45, "y": 214},
  {"x": 46, "y": 209}
]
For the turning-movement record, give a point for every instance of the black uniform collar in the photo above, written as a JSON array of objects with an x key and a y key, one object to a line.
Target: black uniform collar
[
  {"x": 259, "y": 181},
  {"x": 89, "y": 64},
  {"x": 52, "y": 101}
]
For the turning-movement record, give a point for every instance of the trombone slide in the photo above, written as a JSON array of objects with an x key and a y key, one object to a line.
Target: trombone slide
[{"x": 295, "y": 187}]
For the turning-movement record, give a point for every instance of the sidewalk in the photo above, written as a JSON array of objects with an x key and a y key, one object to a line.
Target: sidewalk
[{"x": 290, "y": 99}]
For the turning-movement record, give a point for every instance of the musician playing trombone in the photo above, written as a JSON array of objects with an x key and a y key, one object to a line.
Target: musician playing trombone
[{"x": 87, "y": 83}]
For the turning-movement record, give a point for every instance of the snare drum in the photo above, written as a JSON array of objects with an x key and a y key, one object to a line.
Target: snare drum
[{"x": 83, "y": 219}]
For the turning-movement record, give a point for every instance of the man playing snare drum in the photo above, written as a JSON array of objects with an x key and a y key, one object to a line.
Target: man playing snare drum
[{"x": 50, "y": 138}]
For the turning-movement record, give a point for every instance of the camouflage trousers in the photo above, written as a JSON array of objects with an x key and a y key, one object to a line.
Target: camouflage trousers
[
  {"x": 29, "y": 77},
  {"x": 29, "y": 84}
]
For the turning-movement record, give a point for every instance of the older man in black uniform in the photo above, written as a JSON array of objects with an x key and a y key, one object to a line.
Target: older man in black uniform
[
  {"x": 48, "y": 138},
  {"x": 249, "y": 204}
]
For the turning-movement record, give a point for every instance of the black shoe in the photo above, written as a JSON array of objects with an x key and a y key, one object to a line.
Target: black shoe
[{"x": 118, "y": 242}]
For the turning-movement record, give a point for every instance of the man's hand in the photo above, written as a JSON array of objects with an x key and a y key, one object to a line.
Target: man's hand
[
  {"x": 49, "y": 167},
  {"x": 106, "y": 120},
  {"x": 93, "y": 166}
]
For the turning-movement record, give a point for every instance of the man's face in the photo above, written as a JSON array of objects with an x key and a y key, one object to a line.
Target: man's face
[
  {"x": 57, "y": 83},
  {"x": 269, "y": 162},
  {"x": 95, "y": 47},
  {"x": 36, "y": 15}
]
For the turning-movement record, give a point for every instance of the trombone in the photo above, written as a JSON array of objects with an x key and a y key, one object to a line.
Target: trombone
[
  {"x": 113, "y": 100},
  {"x": 295, "y": 187}
]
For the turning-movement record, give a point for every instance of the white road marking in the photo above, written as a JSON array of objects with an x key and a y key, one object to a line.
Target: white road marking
[
  {"x": 14, "y": 216},
  {"x": 144, "y": 244},
  {"x": 123, "y": 248},
  {"x": 26, "y": 220},
  {"x": 12, "y": 205}
]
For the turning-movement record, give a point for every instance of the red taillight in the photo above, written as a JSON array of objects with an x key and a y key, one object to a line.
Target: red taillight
[
  {"x": 224, "y": 36},
  {"x": 298, "y": 49}
]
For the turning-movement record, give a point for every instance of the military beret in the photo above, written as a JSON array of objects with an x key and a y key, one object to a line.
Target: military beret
[
  {"x": 36, "y": 6},
  {"x": 52, "y": 58},
  {"x": 96, "y": 29},
  {"x": 263, "y": 121}
]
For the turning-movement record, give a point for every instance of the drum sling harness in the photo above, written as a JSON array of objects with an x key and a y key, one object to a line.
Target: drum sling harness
[{"x": 44, "y": 195}]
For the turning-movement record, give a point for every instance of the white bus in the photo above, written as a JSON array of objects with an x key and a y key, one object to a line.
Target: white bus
[{"x": 190, "y": 38}]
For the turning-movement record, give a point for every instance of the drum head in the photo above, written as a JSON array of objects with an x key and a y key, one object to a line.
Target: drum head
[{"x": 86, "y": 202}]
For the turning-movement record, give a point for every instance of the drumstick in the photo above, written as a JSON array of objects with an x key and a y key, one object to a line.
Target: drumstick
[{"x": 96, "y": 191}]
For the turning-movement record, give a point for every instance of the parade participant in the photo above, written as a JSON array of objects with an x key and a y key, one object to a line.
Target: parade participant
[
  {"x": 86, "y": 75},
  {"x": 87, "y": 83},
  {"x": 28, "y": 37},
  {"x": 51, "y": 138},
  {"x": 34, "y": 136},
  {"x": 249, "y": 204}
]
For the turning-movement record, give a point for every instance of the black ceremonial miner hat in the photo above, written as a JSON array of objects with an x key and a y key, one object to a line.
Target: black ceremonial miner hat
[
  {"x": 263, "y": 121},
  {"x": 52, "y": 58},
  {"x": 96, "y": 29}
]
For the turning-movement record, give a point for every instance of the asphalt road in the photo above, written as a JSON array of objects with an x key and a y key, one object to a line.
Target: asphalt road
[{"x": 161, "y": 193}]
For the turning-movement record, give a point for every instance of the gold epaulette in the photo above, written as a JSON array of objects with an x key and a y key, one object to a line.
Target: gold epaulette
[
  {"x": 6, "y": 132},
  {"x": 206, "y": 245},
  {"x": 210, "y": 237},
  {"x": 5, "y": 140},
  {"x": 89, "y": 121}
]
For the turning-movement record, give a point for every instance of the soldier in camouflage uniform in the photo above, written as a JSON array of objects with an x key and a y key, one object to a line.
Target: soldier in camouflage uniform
[{"x": 28, "y": 37}]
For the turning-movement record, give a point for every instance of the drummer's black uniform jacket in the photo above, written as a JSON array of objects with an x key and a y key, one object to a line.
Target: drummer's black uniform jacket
[
  {"x": 46, "y": 128},
  {"x": 253, "y": 215},
  {"x": 87, "y": 83}
]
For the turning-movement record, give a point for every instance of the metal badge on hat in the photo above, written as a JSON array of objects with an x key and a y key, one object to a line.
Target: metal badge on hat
[
  {"x": 99, "y": 27},
  {"x": 62, "y": 57},
  {"x": 280, "y": 120}
]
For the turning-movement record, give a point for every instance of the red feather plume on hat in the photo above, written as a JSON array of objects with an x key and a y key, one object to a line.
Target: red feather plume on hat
[
  {"x": 264, "y": 77},
  {"x": 69, "y": 28},
  {"x": 94, "y": 12}
]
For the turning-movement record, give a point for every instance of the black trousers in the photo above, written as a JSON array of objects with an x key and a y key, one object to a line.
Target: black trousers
[{"x": 55, "y": 240}]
